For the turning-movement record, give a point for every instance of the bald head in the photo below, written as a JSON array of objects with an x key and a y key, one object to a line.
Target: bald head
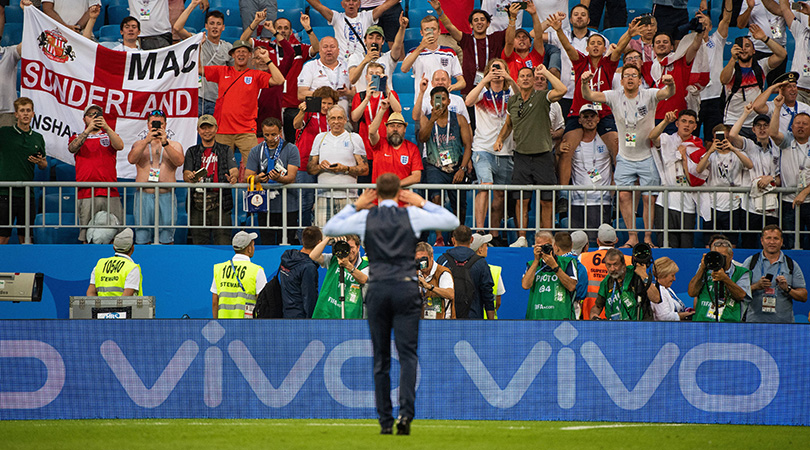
[
  {"x": 329, "y": 51},
  {"x": 440, "y": 78}
]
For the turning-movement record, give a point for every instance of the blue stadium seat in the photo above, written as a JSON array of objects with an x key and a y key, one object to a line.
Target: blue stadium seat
[
  {"x": 116, "y": 3},
  {"x": 56, "y": 235},
  {"x": 403, "y": 82},
  {"x": 332, "y": 4},
  {"x": 12, "y": 34},
  {"x": 230, "y": 8},
  {"x": 116, "y": 13},
  {"x": 66, "y": 201},
  {"x": 733, "y": 33},
  {"x": 293, "y": 14},
  {"x": 181, "y": 232},
  {"x": 65, "y": 172},
  {"x": 231, "y": 34},
  {"x": 196, "y": 19},
  {"x": 322, "y": 32},
  {"x": 407, "y": 106},
  {"x": 413, "y": 37},
  {"x": 101, "y": 20},
  {"x": 110, "y": 33},
  {"x": 613, "y": 34},
  {"x": 291, "y": 4},
  {"x": 14, "y": 14},
  {"x": 417, "y": 12},
  {"x": 316, "y": 20}
]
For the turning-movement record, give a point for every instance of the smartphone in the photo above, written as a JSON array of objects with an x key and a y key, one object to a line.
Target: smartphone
[
  {"x": 332, "y": 166},
  {"x": 306, "y": 10},
  {"x": 384, "y": 86},
  {"x": 522, "y": 5},
  {"x": 796, "y": 6},
  {"x": 200, "y": 174},
  {"x": 155, "y": 124},
  {"x": 375, "y": 82},
  {"x": 375, "y": 47},
  {"x": 496, "y": 66},
  {"x": 313, "y": 104},
  {"x": 645, "y": 20},
  {"x": 769, "y": 277},
  {"x": 437, "y": 101},
  {"x": 739, "y": 40},
  {"x": 720, "y": 136}
]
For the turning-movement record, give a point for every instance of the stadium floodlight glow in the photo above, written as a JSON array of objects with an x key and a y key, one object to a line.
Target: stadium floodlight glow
[{"x": 21, "y": 287}]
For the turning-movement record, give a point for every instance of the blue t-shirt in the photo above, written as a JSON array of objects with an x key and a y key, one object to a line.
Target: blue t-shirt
[
  {"x": 260, "y": 160},
  {"x": 445, "y": 139}
]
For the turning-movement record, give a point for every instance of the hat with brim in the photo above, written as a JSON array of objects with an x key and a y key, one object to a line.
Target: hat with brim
[
  {"x": 607, "y": 234},
  {"x": 206, "y": 119},
  {"x": 521, "y": 30},
  {"x": 790, "y": 77},
  {"x": 123, "y": 241},
  {"x": 579, "y": 239},
  {"x": 242, "y": 239},
  {"x": 480, "y": 239},
  {"x": 240, "y": 44},
  {"x": 762, "y": 118},
  {"x": 396, "y": 118},
  {"x": 375, "y": 29},
  {"x": 91, "y": 107}
]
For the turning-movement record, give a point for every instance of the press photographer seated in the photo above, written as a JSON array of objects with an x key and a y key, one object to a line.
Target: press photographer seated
[
  {"x": 722, "y": 290},
  {"x": 341, "y": 295}
]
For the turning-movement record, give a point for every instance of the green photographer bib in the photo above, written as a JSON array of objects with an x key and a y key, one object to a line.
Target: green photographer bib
[
  {"x": 548, "y": 299},
  {"x": 328, "y": 306}
]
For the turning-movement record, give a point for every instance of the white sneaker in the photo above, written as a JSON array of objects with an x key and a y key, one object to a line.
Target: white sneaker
[{"x": 520, "y": 242}]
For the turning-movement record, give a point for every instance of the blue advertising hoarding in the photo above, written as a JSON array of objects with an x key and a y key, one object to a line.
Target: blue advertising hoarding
[{"x": 506, "y": 370}]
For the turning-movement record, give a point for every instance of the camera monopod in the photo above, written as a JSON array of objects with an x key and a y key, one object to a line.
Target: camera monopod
[{"x": 342, "y": 292}]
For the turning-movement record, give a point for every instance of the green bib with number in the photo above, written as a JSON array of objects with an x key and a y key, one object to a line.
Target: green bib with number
[
  {"x": 730, "y": 310},
  {"x": 620, "y": 301},
  {"x": 548, "y": 299},
  {"x": 328, "y": 306}
]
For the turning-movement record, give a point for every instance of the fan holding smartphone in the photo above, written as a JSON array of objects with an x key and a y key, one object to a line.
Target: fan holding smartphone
[{"x": 367, "y": 105}]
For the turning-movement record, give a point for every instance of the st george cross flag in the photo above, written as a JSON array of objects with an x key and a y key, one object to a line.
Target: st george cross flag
[{"x": 64, "y": 72}]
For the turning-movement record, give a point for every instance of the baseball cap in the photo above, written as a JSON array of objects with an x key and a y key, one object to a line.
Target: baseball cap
[
  {"x": 521, "y": 30},
  {"x": 579, "y": 239},
  {"x": 478, "y": 240},
  {"x": 375, "y": 29},
  {"x": 588, "y": 107},
  {"x": 92, "y": 106},
  {"x": 396, "y": 118},
  {"x": 123, "y": 241},
  {"x": 242, "y": 239},
  {"x": 607, "y": 234},
  {"x": 240, "y": 44},
  {"x": 762, "y": 117},
  {"x": 206, "y": 119}
]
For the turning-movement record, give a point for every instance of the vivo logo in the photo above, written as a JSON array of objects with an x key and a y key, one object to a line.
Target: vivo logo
[{"x": 623, "y": 396}]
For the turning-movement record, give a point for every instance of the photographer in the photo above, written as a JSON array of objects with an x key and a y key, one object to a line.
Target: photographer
[
  {"x": 95, "y": 150},
  {"x": 435, "y": 285},
  {"x": 341, "y": 295},
  {"x": 551, "y": 281},
  {"x": 624, "y": 293},
  {"x": 721, "y": 289}
]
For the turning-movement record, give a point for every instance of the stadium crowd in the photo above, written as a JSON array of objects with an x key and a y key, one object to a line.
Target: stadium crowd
[{"x": 532, "y": 95}]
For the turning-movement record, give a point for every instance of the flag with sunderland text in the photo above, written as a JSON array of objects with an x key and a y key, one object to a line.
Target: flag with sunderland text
[{"x": 63, "y": 73}]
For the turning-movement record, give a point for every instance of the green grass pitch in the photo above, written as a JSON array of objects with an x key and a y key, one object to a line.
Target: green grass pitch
[{"x": 331, "y": 434}]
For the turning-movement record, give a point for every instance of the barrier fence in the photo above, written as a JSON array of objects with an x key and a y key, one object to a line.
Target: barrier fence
[
  {"x": 56, "y": 205},
  {"x": 583, "y": 371}
]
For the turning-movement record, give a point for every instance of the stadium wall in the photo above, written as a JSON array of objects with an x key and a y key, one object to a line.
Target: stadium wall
[
  {"x": 179, "y": 276},
  {"x": 591, "y": 371}
]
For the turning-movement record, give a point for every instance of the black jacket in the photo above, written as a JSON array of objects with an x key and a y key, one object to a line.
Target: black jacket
[
  {"x": 298, "y": 276},
  {"x": 225, "y": 160},
  {"x": 481, "y": 278}
]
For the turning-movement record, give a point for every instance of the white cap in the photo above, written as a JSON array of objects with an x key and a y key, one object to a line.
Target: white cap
[
  {"x": 588, "y": 107},
  {"x": 579, "y": 239},
  {"x": 607, "y": 234},
  {"x": 123, "y": 241},
  {"x": 242, "y": 239},
  {"x": 478, "y": 240}
]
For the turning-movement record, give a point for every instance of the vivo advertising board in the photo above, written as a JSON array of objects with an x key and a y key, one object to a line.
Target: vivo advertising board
[{"x": 507, "y": 370}]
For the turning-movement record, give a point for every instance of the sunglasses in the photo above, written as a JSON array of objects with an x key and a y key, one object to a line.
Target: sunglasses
[{"x": 157, "y": 112}]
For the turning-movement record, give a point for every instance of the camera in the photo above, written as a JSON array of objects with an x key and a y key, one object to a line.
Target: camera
[
  {"x": 695, "y": 25},
  {"x": 423, "y": 262},
  {"x": 642, "y": 254},
  {"x": 714, "y": 261},
  {"x": 156, "y": 124},
  {"x": 341, "y": 249},
  {"x": 547, "y": 249}
]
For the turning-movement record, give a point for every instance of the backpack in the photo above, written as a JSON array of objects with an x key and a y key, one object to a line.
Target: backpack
[
  {"x": 268, "y": 302},
  {"x": 736, "y": 84},
  {"x": 755, "y": 259},
  {"x": 463, "y": 286}
]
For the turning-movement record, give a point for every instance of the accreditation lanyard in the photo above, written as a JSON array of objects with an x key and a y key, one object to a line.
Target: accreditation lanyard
[
  {"x": 792, "y": 114},
  {"x": 486, "y": 54},
  {"x": 597, "y": 75},
  {"x": 436, "y": 131},
  {"x": 635, "y": 112},
  {"x": 210, "y": 161},
  {"x": 499, "y": 112},
  {"x": 376, "y": 110},
  {"x": 676, "y": 299},
  {"x": 236, "y": 275},
  {"x": 160, "y": 163},
  {"x": 275, "y": 46}
]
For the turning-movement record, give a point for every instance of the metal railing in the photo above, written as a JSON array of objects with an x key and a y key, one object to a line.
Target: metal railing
[{"x": 42, "y": 195}]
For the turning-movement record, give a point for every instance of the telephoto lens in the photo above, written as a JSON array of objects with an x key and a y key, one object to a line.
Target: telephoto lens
[{"x": 341, "y": 249}]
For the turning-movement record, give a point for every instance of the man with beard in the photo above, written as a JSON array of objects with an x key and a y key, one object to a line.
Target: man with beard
[
  {"x": 394, "y": 154},
  {"x": 623, "y": 292},
  {"x": 743, "y": 79}
]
